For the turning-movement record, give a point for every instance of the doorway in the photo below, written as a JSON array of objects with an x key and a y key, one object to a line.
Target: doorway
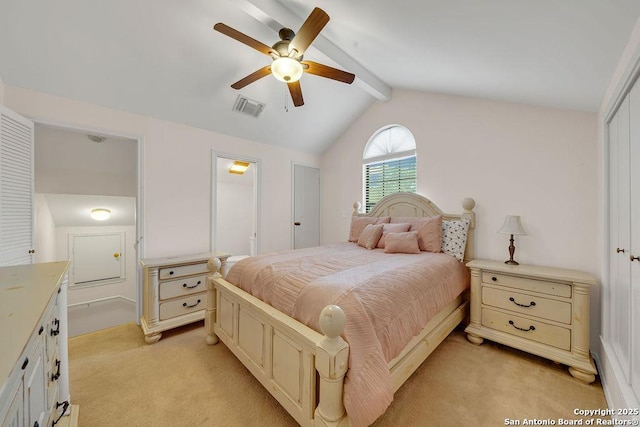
[
  {"x": 77, "y": 171},
  {"x": 235, "y": 210}
]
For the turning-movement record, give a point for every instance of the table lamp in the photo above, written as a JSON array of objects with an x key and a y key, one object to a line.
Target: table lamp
[{"x": 512, "y": 226}]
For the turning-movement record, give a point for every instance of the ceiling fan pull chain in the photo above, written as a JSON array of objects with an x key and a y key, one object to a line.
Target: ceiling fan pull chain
[{"x": 286, "y": 99}]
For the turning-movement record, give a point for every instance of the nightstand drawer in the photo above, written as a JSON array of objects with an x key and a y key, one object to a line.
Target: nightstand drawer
[
  {"x": 187, "y": 286},
  {"x": 183, "y": 270},
  {"x": 544, "y": 308},
  {"x": 533, "y": 330},
  {"x": 181, "y": 306},
  {"x": 526, "y": 284}
]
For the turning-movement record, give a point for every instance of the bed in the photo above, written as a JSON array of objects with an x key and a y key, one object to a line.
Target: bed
[{"x": 337, "y": 359}]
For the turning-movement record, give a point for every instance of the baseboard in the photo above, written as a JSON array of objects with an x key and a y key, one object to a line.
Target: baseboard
[{"x": 617, "y": 391}]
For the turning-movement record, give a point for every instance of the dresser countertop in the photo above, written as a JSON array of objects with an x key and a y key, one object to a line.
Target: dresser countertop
[{"x": 25, "y": 291}]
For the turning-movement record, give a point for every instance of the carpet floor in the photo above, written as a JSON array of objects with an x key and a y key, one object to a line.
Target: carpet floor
[{"x": 119, "y": 380}]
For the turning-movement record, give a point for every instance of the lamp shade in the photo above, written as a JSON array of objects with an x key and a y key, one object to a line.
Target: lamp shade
[{"x": 512, "y": 225}]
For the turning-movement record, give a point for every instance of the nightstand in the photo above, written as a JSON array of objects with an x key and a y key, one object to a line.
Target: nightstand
[
  {"x": 540, "y": 310},
  {"x": 174, "y": 292}
]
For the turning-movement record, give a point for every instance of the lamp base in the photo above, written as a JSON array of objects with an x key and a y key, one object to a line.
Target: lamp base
[{"x": 511, "y": 262}]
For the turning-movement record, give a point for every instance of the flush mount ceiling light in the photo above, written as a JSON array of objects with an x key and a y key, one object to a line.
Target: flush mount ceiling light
[
  {"x": 100, "y": 214},
  {"x": 239, "y": 167}
]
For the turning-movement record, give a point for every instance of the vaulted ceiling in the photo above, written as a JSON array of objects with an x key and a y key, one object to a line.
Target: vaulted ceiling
[{"x": 162, "y": 58}]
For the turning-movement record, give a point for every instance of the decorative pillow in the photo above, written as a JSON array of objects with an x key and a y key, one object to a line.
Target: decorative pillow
[
  {"x": 358, "y": 223},
  {"x": 391, "y": 228},
  {"x": 370, "y": 235},
  {"x": 406, "y": 243},
  {"x": 454, "y": 237},
  {"x": 429, "y": 233}
]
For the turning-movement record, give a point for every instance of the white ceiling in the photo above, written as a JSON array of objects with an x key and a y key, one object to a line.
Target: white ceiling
[
  {"x": 162, "y": 58},
  {"x": 73, "y": 210}
]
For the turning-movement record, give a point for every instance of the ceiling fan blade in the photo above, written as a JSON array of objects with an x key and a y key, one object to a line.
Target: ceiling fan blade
[
  {"x": 256, "y": 75},
  {"x": 309, "y": 31},
  {"x": 328, "y": 72},
  {"x": 296, "y": 93},
  {"x": 243, "y": 38}
]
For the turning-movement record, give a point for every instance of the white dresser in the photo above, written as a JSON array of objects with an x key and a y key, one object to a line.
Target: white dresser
[
  {"x": 33, "y": 336},
  {"x": 174, "y": 292},
  {"x": 541, "y": 310}
]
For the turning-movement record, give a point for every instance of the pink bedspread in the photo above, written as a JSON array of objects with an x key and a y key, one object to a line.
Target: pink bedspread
[{"x": 387, "y": 300}]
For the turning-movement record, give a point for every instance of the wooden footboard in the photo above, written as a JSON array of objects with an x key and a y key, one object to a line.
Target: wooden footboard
[{"x": 303, "y": 369}]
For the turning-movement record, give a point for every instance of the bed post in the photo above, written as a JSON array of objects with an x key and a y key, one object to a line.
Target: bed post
[
  {"x": 332, "y": 355},
  {"x": 215, "y": 267}
]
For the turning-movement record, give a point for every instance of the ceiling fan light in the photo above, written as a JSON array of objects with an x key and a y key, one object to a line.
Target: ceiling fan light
[{"x": 286, "y": 69}]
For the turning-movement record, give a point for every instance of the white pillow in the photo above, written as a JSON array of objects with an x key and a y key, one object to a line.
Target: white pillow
[{"x": 454, "y": 237}]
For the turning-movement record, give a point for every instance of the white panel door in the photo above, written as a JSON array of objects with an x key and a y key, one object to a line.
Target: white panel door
[
  {"x": 621, "y": 290},
  {"x": 634, "y": 191},
  {"x": 97, "y": 258},
  {"x": 16, "y": 188},
  {"x": 306, "y": 206}
]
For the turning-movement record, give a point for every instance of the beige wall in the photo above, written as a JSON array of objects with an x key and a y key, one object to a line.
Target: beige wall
[
  {"x": 540, "y": 163},
  {"x": 177, "y": 171}
]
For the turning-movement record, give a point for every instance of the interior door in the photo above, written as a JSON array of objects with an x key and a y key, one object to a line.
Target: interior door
[
  {"x": 16, "y": 188},
  {"x": 97, "y": 258},
  {"x": 306, "y": 206}
]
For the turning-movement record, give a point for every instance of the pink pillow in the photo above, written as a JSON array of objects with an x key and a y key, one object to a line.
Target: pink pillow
[
  {"x": 429, "y": 233},
  {"x": 358, "y": 223},
  {"x": 370, "y": 236},
  {"x": 392, "y": 228},
  {"x": 406, "y": 243}
]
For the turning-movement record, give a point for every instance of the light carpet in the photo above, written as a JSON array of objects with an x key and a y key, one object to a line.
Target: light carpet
[{"x": 118, "y": 379}]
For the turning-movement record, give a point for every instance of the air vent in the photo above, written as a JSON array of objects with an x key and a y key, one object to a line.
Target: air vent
[{"x": 248, "y": 106}]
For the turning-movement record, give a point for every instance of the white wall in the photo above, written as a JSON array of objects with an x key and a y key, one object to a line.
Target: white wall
[
  {"x": 177, "y": 171},
  {"x": 1, "y": 91},
  {"x": 45, "y": 236},
  {"x": 536, "y": 162}
]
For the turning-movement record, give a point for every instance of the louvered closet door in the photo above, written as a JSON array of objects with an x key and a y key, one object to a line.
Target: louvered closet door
[{"x": 16, "y": 188}]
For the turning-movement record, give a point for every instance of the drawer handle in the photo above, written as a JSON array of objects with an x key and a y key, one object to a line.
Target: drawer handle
[
  {"x": 65, "y": 406},
  {"x": 57, "y": 374},
  {"x": 184, "y": 285},
  {"x": 185, "y": 305},
  {"x": 618, "y": 250},
  {"x": 55, "y": 332},
  {"x": 531, "y": 304},
  {"x": 634, "y": 258},
  {"x": 531, "y": 328},
  {"x": 494, "y": 278}
]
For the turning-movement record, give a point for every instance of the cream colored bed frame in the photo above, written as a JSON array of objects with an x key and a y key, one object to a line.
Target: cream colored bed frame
[{"x": 303, "y": 369}]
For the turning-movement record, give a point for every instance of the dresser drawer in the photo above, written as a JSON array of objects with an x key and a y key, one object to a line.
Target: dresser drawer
[
  {"x": 526, "y": 284},
  {"x": 545, "y": 308},
  {"x": 533, "y": 330},
  {"x": 183, "y": 270},
  {"x": 186, "y": 286},
  {"x": 181, "y": 306}
]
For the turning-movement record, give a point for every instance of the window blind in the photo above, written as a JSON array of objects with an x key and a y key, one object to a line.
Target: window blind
[{"x": 387, "y": 177}]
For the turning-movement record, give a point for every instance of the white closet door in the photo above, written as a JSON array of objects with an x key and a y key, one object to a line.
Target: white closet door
[
  {"x": 610, "y": 316},
  {"x": 16, "y": 188},
  {"x": 634, "y": 155},
  {"x": 622, "y": 286}
]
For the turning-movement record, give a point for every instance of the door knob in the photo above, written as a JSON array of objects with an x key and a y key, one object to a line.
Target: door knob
[{"x": 116, "y": 255}]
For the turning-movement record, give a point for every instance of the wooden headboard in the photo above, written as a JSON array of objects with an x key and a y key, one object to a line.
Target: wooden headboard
[{"x": 411, "y": 204}]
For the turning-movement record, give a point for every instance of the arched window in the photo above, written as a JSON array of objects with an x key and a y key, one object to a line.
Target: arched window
[{"x": 389, "y": 164}]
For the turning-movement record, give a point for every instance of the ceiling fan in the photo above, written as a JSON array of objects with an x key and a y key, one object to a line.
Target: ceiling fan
[{"x": 287, "y": 65}]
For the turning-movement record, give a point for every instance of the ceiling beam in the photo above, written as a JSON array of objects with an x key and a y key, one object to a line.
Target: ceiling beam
[{"x": 270, "y": 12}]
